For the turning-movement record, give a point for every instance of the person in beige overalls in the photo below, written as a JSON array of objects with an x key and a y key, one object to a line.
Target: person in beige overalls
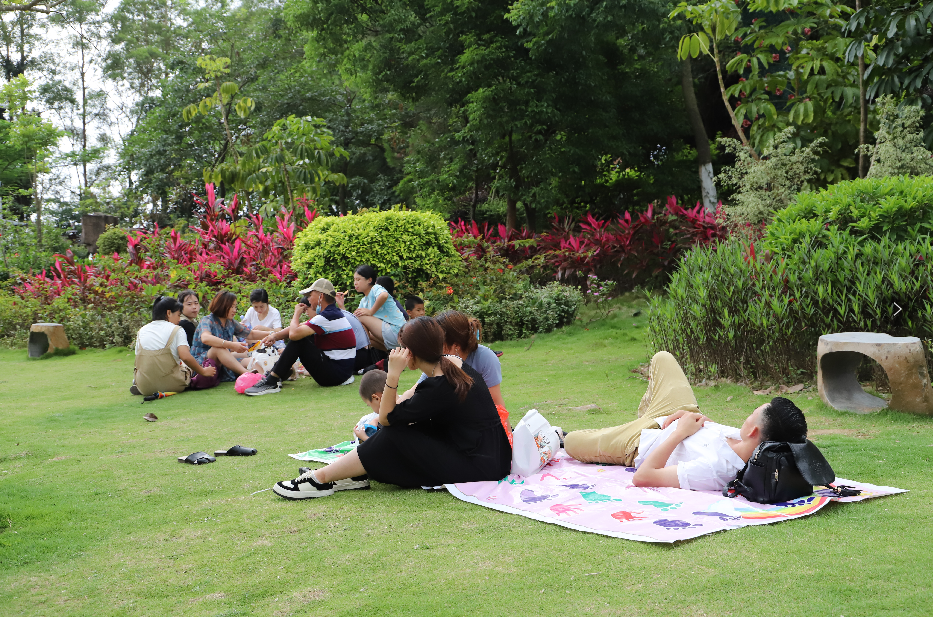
[
  {"x": 668, "y": 392},
  {"x": 161, "y": 347}
]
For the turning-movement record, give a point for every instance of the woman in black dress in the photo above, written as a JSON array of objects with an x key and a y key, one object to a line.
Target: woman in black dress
[{"x": 447, "y": 432}]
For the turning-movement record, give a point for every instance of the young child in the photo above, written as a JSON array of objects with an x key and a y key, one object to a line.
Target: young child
[
  {"x": 191, "y": 305},
  {"x": 389, "y": 284},
  {"x": 371, "y": 386},
  {"x": 414, "y": 306}
]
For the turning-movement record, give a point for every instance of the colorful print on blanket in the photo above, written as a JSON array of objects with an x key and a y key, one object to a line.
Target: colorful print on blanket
[
  {"x": 601, "y": 499},
  {"x": 327, "y": 455}
]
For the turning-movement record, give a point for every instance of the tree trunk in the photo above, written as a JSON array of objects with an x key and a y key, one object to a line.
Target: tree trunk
[
  {"x": 342, "y": 188},
  {"x": 725, "y": 99},
  {"x": 531, "y": 218},
  {"x": 511, "y": 203},
  {"x": 704, "y": 156},
  {"x": 475, "y": 195},
  {"x": 38, "y": 201},
  {"x": 863, "y": 110},
  {"x": 83, "y": 111}
]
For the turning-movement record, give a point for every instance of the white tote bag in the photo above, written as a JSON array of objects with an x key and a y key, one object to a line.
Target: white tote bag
[{"x": 534, "y": 443}]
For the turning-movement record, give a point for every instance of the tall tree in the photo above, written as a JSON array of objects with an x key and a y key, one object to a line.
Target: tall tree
[{"x": 533, "y": 99}]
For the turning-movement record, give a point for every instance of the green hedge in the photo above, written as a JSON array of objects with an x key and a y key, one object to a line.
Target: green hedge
[
  {"x": 85, "y": 326},
  {"x": 899, "y": 208},
  {"x": 502, "y": 296},
  {"x": 730, "y": 313},
  {"x": 411, "y": 247},
  {"x": 535, "y": 310},
  {"x": 112, "y": 241}
]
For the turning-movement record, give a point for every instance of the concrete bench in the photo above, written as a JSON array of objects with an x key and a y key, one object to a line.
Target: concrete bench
[
  {"x": 838, "y": 357},
  {"x": 46, "y": 337}
]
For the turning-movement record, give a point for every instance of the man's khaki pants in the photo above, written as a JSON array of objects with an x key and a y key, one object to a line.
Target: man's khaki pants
[{"x": 668, "y": 391}]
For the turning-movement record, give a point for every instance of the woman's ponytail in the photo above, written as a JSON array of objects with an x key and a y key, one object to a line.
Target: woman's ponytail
[
  {"x": 456, "y": 377},
  {"x": 460, "y": 330}
]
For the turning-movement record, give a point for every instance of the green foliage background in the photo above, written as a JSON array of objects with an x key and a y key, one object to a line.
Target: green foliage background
[{"x": 855, "y": 257}]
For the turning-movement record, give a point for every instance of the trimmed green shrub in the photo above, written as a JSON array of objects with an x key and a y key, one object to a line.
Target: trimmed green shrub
[
  {"x": 535, "y": 310},
  {"x": 503, "y": 298},
  {"x": 411, "y": 247},
  {"x": 112, "y": 241},
  {"x": 730, "y": 313},
  {"x": 899, "y": 208}
]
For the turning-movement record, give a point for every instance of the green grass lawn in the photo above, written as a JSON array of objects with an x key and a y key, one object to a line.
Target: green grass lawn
[{"x": 97, "y": 517}]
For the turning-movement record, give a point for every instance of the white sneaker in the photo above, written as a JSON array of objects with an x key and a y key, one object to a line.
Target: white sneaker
[
  {"x": 352, "y": 484},
  {"x": 303, "y": 487},
  {"x": 349, "y": 381}
]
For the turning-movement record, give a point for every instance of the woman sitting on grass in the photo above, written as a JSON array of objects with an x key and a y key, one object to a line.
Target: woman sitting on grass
[
  {"x": 161, "y": 347},
  {"x": 216, "y": 337},
  {"x": 377, "y": 312},
  {"x": 447, "y": 432},
  {"x": 461, "y": 340},
  {"x": 261, "y": 316}
]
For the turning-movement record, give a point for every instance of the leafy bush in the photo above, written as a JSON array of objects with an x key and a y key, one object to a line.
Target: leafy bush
[
  {"x": 411, "y": 247},
  {"x": 899, "y": 208},
  {"x": 113, "y": 240},
  {"x": 730, "y": 312},
  {"x": 899, "y": 148},
  {"x": 503, "y": 298},
  {"x": 85, "y": 325},
  {"x": 765, "y": 186}
]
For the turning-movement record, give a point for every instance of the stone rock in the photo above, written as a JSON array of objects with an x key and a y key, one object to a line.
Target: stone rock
[
  {"x": 46, "y": 337},
  {"x": 839, "y": 355}
]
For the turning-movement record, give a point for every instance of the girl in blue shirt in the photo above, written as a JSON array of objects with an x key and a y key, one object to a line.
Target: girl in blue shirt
[{"x": 377, "y": 312}]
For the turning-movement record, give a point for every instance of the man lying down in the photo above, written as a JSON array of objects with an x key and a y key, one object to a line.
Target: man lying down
[{"x": 688, "y": 450}]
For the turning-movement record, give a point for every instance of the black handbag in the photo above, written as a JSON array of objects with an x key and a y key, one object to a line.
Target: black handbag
[{"x": 779, "y": 471}]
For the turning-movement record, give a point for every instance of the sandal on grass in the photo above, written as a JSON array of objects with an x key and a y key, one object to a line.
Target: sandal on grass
[
  {"x": 197, "y": 458},
  {"x": 236, "y": 451}
]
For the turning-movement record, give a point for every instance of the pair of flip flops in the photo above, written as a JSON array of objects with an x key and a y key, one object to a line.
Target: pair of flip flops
[{"x": 203, "y": 458}]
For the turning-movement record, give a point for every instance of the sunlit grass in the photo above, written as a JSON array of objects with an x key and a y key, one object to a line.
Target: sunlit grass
[{"x": 97, "y": 517}]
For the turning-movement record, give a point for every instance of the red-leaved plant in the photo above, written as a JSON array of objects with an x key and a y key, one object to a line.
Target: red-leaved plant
[
  {"x": 642, "y": 245},
  {"x": 227, "y": 250}
]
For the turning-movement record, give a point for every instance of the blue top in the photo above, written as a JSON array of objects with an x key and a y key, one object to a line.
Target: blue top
[
  {"x": 485, "y": 362},
  {"x": 388, "y": 312},
  {"x": 229, "y": 332}
]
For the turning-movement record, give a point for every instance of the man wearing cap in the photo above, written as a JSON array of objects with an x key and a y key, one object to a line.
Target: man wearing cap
[{"x": 325, "y": 344}]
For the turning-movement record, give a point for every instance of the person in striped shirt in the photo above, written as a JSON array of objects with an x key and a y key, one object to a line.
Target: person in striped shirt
[{"x": 325, "y": 344}]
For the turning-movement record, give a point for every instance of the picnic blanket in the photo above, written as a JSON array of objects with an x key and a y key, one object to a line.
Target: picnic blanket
[
  {"x": 601, "y": 499},
  {"x": 327, "y": 455}
]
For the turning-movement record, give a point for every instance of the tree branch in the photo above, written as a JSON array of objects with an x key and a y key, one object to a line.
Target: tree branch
[{"x": 36, "y": 6}]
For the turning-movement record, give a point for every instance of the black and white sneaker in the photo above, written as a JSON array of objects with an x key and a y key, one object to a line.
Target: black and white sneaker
[
  {"x": 352, "y": 484},
  {"x": 267, "y": 385},
  {"x": 303, "y": 487}
]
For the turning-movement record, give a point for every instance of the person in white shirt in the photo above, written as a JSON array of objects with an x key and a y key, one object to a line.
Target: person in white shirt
[
  {"x": 673, "y": 444},
  {"x": 262, "y": 317},
  {"x": 161, "y": 348}
]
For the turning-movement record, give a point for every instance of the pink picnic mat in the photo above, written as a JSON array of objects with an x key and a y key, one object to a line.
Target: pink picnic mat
[{"x": 601, "y": 499}]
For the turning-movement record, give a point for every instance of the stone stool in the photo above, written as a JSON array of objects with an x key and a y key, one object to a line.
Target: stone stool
[
  {"x": 45, "y": 337},
  {"x": 838, "y": 357}
]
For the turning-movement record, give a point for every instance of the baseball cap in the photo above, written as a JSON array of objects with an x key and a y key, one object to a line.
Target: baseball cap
[{"x": 322, "y": 285}]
